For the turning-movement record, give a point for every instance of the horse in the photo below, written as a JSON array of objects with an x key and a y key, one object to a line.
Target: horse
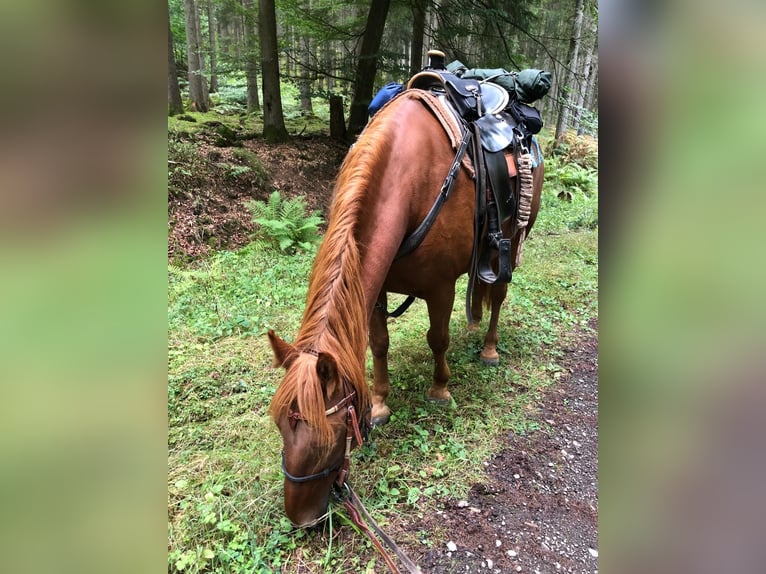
[{"x": 386, "y": 185}]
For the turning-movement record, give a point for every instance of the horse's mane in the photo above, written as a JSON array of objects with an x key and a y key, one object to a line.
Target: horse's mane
[{"x": 335, "y": 316}]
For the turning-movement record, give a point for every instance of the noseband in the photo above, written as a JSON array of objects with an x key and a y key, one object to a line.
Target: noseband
[{"x": 352, "y": 431}]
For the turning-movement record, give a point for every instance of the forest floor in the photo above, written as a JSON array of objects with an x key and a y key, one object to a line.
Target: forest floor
[{"x": 534, "y": 505}]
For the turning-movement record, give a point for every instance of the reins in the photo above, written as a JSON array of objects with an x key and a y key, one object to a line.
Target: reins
[{"x": 353, "y": 505}]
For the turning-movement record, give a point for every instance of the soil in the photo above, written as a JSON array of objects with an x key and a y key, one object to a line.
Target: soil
[
  {"x": 536, "y": 510},
  {"x": 211, "y": 213},
  {"x": 535, "y": 506}
]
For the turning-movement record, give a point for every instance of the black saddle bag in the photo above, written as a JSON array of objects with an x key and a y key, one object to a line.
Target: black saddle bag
[
  {"x": 462, "y": 94},
  {"x": 528, "y": 116}
]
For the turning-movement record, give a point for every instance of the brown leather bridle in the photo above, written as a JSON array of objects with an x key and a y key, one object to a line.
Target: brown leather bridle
[
  {"x": 352, "y": 431},
  {"x": 351, "y": 501}
]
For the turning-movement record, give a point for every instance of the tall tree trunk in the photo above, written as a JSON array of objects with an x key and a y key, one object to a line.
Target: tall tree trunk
[
  {"x": 367, "y": 65},
  {"x": 585, "y": 76},
  {"x": 251, "y": 59},
  {"x": 568, "y": 88},
  {"x": 273, "y": 118},
  {"x": 305, "y": 85},
  {"x": 418, "y": 32},
  {"x": 211, "y": 37},
  {"x": 197, "y": 84},
  {"x": 328, "y": 59},
  {"x": 590, "y": 90},
  {"x": 200, "y": 43},
  {"x": 175, "y": 104},
  {"x": 337, "y": 122}
]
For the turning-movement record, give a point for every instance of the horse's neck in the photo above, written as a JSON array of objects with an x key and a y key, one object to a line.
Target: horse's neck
[{"x": 380, "y": 231}]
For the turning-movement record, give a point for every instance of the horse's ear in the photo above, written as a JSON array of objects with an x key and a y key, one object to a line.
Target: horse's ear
[
  {"x": 284, "y": 352},
  {"x": 327, "y": 371}
]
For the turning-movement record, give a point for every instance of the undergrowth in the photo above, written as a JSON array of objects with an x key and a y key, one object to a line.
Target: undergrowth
[{"x": 286, "y": 224}]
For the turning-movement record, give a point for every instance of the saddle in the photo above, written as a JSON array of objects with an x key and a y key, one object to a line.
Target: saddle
[{"x": 499, "y": 154}]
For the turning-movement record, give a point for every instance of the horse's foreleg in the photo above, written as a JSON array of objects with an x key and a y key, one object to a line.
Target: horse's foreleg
[
  {"x": 379, "y": 347},
  {"x": 489, "y": 354},
  {"x": 439, "y": 310}
]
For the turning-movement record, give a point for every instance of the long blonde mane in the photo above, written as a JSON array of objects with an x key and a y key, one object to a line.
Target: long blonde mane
[{"x": 335, "y": 316}]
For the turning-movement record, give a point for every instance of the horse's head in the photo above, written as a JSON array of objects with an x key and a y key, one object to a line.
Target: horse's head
[{"x": 311, "y": 409}]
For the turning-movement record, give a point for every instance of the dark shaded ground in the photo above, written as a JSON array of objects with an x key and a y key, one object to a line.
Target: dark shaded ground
[
  {"x": 538, "y": 512},
  {"x": 535, "y": 508},
  {"x": 211, "y": 214}
]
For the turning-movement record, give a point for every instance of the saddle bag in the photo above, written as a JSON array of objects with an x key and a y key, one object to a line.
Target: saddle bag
[
  {"x": 527, "y": 116},
  {"x": 385, "y": 94},
  {"x": 462, "y": 94}
]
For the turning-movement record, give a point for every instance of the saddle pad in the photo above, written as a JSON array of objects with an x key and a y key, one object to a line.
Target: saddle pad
[{"x": 443, "y": 113}]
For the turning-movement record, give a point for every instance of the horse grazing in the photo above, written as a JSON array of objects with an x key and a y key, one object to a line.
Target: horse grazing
[{"x": 386, "y": 185}]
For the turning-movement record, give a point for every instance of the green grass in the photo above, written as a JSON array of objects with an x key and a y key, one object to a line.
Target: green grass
[{"x": 224, "y": 484}]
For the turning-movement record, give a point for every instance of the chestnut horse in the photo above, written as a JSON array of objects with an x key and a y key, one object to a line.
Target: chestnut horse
[{"x": 385, "y": 187}]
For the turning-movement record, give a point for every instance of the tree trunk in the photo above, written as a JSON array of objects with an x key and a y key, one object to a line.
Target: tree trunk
[
  {"x": 305, "y": 86},
  {"x": 337, "y": 121},
  {"x": 251, "y": 59},
  {"x": 418, "y": 32},
  {"x": 590, "y": 89},
  {"x": 569, "y": 87},
  {"x": 328, "y": 57},
  {"x": 197, "y": 84},
  {"x": 175, "y": 104},
  {"x": 367, "y": 65},
  {"x": 273, "y": 119},
  {"x": 211, "y": 37}
]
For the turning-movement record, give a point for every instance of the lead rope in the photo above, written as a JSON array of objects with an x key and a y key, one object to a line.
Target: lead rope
[
  {"x": 353, "y": 505},
  {"x": 524, "y": 168}
]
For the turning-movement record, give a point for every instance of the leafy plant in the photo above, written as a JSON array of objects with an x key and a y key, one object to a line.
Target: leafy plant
[
  {"x": 576, "y": 178},
  {"x": 286, "y": 223}
]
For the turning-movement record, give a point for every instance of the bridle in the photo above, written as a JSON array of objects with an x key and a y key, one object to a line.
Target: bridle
[
  {"x": 352, "y": 431},
  {"x": 351, "y": 501}
]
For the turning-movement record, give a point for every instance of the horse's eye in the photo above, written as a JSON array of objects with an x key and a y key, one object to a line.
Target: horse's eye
[{"x": 292, "y": 419}]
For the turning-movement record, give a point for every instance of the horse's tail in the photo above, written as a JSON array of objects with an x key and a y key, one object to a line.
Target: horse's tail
[{"x": 481, "y": 297}]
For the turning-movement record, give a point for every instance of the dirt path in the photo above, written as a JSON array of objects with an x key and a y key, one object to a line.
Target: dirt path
[{"x": 538, "y": 512}]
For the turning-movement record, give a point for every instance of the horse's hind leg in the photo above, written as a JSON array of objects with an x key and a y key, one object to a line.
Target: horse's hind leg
[
  {"x": 489, "y": 354},
  {"x": 439, "y": 311},
  {"x": 381, "y": 385}
]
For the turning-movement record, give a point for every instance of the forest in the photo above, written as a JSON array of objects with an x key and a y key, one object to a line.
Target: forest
[{"x": 236, "y": 54}]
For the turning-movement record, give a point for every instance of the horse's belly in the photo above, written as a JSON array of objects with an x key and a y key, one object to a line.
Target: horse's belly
[{"x": 420, "y": 278}]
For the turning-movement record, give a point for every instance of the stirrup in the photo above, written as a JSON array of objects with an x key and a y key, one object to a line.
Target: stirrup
[{"x": 504, "y": 266}]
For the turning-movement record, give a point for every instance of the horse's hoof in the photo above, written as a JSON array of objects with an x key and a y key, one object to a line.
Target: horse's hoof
[
  {"x": 492, "y": 360},
  {"x": 441, "y": 401},
  {"x": 380, "y": 421},
  {"x": 472, "y": 327}
]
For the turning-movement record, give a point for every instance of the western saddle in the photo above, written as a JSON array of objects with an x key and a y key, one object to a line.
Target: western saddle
[{"x": 487, "y": 134}]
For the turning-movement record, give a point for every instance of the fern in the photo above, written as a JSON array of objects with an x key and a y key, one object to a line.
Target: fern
[{"x": 285, "y": 224}]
